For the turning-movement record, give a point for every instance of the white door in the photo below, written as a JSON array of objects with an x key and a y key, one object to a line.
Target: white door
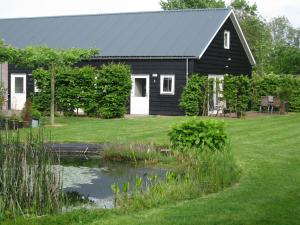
[
  {"x": 18, "y": 91},
  {"x": 215, "y": 104},
  {"x": 139, "y": 99}
]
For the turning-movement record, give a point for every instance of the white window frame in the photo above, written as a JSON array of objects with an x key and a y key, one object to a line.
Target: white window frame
[
  {"x": 227, "y": 40},
  {"x": 162, "y": 77}
]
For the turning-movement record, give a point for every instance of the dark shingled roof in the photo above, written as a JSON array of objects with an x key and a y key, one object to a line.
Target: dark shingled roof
[{"x": 164, "y": 33}]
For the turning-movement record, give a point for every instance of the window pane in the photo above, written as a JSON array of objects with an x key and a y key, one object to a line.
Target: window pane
[
  {"x": 167, "y": 84},
  {"x": 140, "y": 87},
  {"x": 19, "y": 85}
]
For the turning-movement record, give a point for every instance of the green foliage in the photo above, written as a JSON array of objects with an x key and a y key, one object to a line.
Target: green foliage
[
  {"x": 236, "y": 93},
  {"x": 111, "y": 94},
  {"x": 44, "y": 57},
  {"x": 134, "y": 153},
  {"x": 191, "y": 4},
  {"x": 29, "y": 183},
  {"x": 102, "y": 92},
  {"x": 199, "y": 134},
  {"x": 204, "y": 172},
  {"x": 194, "y": 96},
  {"x": 7, "y": 53},
  {"x": 51, "y": 59},
  {"x": 74, "y": 87},
  {"x": 283, "y": 32},
  {"x": 36, "y": 114},
  {"x": 284, "y": 59},
  {"x": 269, "y": 85}
]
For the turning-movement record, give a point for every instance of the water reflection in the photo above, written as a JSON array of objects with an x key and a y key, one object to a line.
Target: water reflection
[{"x": 94, "y": 177}]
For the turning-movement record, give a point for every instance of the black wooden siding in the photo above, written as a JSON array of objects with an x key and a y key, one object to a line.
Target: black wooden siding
[
  {"x": 159, "y": 104},
  {"x": 216, "y": 58}
]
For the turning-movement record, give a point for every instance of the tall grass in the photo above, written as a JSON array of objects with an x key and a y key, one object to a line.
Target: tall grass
[
  {"x": 29, "y": 183},
  {"x": 202, "y": 173},
  {"x": 134, "y": 153}
]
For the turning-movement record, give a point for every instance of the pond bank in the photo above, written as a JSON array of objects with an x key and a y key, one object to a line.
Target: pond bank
[{"x": 75, "y": 149}]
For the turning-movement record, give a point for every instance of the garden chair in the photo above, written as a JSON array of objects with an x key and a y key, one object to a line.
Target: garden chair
[
  {"x": 264, "y": 103},
  {"x": 276, "y": 104}
]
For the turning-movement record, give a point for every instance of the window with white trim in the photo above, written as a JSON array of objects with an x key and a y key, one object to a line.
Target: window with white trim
[
  {"x": 167, "y": 84},
  {"x": 227, "y": 39}
]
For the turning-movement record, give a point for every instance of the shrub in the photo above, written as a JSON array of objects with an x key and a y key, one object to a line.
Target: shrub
[
  {"x": 236, "y": 92},
  {"x": 36, "y": 114},
  {"x": 113, "y": 86},
  {"x": 194, "y": 96},
  {"x": 199, "y": 134}
]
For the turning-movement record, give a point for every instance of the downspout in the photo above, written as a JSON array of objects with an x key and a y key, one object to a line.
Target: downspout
[{"x": 187, "y": 70}]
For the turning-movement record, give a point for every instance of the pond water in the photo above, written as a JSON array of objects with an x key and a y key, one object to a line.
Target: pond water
[{"x": 93, "y": 177}]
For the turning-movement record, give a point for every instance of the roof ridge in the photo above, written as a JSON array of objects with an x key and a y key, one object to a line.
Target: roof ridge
[{"x": 120, "y": 13}]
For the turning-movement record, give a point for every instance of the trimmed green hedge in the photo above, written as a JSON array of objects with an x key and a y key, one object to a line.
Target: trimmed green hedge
[
  {"x": 100, "y": 92},
  {"x": 241, "y": 93},
  {"x": 194, "y": 96}
]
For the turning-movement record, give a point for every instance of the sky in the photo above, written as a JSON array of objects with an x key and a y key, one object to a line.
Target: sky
[{"x": 34, "y": 8}]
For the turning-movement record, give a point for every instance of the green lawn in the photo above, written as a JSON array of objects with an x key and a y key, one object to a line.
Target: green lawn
[
  {"x": 146, "y": 129},
  {"x": 267, "y": 148}
]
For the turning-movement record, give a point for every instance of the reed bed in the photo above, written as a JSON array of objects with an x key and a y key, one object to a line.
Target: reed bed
[{"x": 30, "y": 184}]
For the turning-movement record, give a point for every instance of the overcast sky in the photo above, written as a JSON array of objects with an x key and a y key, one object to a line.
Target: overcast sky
[{"x": 33, "y": 8}]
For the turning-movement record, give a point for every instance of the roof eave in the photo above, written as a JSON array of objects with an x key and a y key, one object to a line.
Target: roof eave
[{"x": 144, "y": 57}]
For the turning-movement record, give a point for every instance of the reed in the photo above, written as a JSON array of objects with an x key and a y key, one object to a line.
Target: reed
[
  {"x": 204, "y": 172},
  {"x": 30, "y": 177},
  {"x": 134, "y": 153}
]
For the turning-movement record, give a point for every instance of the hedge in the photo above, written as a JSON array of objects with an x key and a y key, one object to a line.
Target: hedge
[
  {"x": 241, "y": 93},
  {"x": 100, "y": 92}
]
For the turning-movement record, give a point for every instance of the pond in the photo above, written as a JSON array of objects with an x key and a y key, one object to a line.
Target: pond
[{"x": 93, "y": 177}]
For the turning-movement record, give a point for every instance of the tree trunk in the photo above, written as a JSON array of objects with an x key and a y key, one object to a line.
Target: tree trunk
[
  {"x": 52, "y": 105},
  {"x": 282, "y": 108}
]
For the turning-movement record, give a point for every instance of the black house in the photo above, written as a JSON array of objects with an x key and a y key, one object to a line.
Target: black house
[{"x": 163, "y": 49}]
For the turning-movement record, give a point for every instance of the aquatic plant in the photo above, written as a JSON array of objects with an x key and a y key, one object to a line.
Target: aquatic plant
[
  {"x": 204, "y": 172},
  {"x": 29, "y": 183},
  {"x": 134, "y": 153}
]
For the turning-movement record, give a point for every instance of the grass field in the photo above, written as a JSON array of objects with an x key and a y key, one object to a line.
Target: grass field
[{"x": 267, "y": 148}]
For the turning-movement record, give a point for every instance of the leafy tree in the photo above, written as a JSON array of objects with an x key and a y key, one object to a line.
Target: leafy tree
[
  {"x": 283, "y": 32},
  {"x": 6, "y": 52},
  {"x": 284, "y": 59},
  {"x": 51, "y": 59},
  {"x": 256, "y": 31},
  {"x": 191, "y": 4},
  {"x": 243, "y": 9}
]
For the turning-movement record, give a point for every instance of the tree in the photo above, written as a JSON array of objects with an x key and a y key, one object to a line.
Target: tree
[
  {"x": 283, "y": 32},
  {"x": 6, "y": 52},
  {"x": 256, "y": 32},
  {"x": 51, "y": 59},
  {"x": 284, "y": 59},
  {"x": 191, "y": 4}
]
